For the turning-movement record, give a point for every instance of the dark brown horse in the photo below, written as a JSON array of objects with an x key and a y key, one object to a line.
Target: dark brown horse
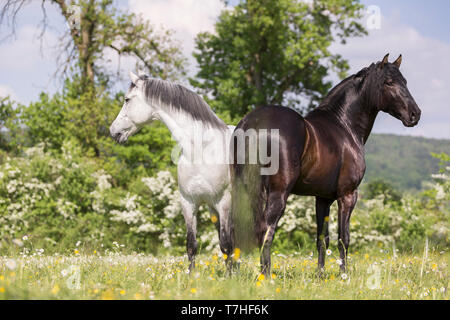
[{"x": 320, "y": 155}]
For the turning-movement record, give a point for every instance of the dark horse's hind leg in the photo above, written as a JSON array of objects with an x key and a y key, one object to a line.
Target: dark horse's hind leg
[
  {"x": 322, "y": 219},
  {"x": 276, "y": 203},
  {"x": 346, "y": 204}
]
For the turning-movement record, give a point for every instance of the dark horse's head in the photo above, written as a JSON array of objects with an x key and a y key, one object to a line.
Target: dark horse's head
[{"x": 395, "y": 97}]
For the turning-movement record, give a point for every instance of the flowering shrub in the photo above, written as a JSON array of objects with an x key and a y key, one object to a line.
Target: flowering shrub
[
  {"x": 377, "y": 221},
  {"x": 57, "y": 199}
]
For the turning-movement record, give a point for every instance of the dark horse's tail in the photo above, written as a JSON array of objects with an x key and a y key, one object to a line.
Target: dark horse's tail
[{"x": 247, "y": 204}]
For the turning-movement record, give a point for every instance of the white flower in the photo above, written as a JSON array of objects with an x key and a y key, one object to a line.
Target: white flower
[
  {"x": 328, "y": 252},
  {"x": 18, "y": 242},
  {"x": 11, "y": 264},
  {"x": 25, "y": 238},
  {"x": 339, "y": 262},
  {"x": 64, "y": 272},
  {"x": 344, "y": 276}
]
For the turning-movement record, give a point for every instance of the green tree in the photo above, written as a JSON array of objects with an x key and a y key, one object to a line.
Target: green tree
[
  {"x": 274, "y": 52},
  {"x": 379, "y": 187},
  {"x": 11, "y": 136}
]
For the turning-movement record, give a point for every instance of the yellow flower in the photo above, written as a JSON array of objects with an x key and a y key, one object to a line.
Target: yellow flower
[
  {"x": 95, "y": 251},
  {"x": 193, "y": 290},
  {"x": 327, "y": 219},
  {"x": 277, "y": 290},
  {"x": 274, "y": 275},
  {"x": 214, "y": 218},
  {"x": 261, "y": 277},
  {"x": 122, "y": 292},
  {"x": 332, "y": 277},
  {"x": 2, "y": 277},
  {"x": 214, "y": 257},
  {"x": 225, "y": 256},
  {"x": 366, "y": 256},
  {"x": 137, "y": 296},
  {"x": 237, "y": 254},
  {"x": 434, "y": 266},
  {"x": 258, "y": 284},
  {"x": 76, "y": 251},
  {"x": 55, "y": 289},
  {"x": 2, "y": 289}
]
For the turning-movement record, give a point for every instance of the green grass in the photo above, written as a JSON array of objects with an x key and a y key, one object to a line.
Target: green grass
[{"x": 114, "y": 275}]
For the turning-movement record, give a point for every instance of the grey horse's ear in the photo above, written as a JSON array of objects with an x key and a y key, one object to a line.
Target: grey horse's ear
[
  {"x": 398, "y": 62},
  {"x": 141, "y": 74},
  {"x": 385, "y": 61},
  {"x": 134, "y": 77}
]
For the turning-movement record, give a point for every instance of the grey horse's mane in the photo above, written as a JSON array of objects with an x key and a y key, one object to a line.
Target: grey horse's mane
[{"x": 177, "y": 97}]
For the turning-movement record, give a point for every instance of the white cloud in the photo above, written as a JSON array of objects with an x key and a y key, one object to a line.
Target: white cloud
[
  {"x": 424, "y": 65},
  {"x": 25, "y": 70},
  {"x": 6, "y": 90},
  {"x": 186, "y": 17},
  {"x": 24, "y": 52}
]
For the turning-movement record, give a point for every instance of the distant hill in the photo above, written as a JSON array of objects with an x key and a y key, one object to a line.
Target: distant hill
[{"x": 404, "y": 161}]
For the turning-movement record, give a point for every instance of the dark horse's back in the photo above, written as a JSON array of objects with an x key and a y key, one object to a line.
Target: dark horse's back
[{"x": 249, "y": 186}]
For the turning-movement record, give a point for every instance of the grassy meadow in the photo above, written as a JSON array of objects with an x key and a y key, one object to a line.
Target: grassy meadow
[{"x": 376, "y": 274}]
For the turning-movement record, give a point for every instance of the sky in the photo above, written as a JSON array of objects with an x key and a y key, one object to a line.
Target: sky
[{"x": 419, "y": 30}]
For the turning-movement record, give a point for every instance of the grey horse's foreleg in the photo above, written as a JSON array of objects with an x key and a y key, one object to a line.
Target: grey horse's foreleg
[{"x": 190, "y": 217}]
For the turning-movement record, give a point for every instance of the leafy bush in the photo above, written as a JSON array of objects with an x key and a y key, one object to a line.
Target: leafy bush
[
  {"x": 380, "y": 221},
  {"x": 60, "y": 198}
]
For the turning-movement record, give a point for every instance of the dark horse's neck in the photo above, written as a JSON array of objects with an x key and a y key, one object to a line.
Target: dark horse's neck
[{"x": 352, "y": 104}]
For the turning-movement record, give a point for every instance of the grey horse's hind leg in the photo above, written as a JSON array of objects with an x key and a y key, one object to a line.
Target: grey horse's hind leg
[
  {"x": 223, "y": 208},
  {"x": 190, "y": 217}
]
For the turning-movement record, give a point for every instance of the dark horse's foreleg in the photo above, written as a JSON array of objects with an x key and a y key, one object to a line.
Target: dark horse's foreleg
[
  {"x": 346, "y": 204},
  {"x": 322, "y": 219},
  {"x": 190, "y": 217},
  {"x": 276, "y": 203}
]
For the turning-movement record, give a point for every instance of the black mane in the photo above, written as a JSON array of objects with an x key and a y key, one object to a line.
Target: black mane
[{"x": 364, "y": 82}]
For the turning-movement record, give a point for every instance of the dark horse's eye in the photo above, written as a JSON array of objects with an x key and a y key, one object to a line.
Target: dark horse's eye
[
  {"x": 389, "y": 83},
  {"x": 127, "y": 99}
]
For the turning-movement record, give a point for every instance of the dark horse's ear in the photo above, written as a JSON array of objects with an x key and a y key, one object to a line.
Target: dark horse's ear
[
  {"x": 384, "y": 62},
  {"x": 398, "y": 62}
]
